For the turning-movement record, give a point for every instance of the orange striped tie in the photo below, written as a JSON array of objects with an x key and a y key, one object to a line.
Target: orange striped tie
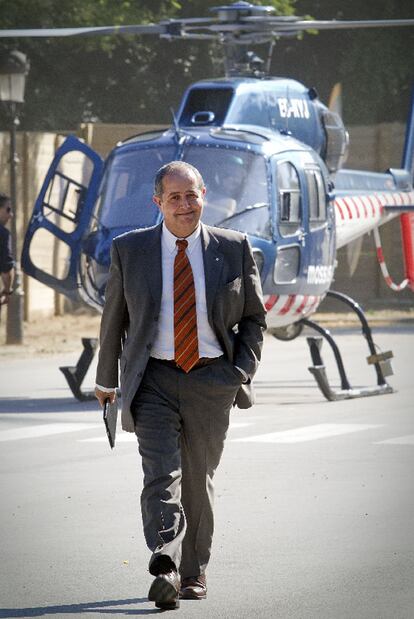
[{"x": 185, "y": 315}]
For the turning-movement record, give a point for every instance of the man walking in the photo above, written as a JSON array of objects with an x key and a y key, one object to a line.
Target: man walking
[{"x": 184, "y": 313}]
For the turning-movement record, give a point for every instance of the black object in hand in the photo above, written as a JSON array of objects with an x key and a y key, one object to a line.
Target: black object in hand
[{"x": 110, "y": 416}]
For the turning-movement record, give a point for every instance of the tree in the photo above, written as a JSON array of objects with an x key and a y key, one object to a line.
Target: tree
[
  {"x": 109, "y": 79},
  {"x": 137, "y": 79},
  {"x": 374, "y": 66}
]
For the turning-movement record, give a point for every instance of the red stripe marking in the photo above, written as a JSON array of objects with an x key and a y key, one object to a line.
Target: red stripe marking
[
  {"x": 339, "y": 209},
  {"x": 365, "y": 207},
  {"x": 382, "y": 200},
  {"x": 349, "y": 206},
  {"x": 302, "y": 305},
  {"x": 287, "y": 305},
  {"x": 271, "y": 301},
  {"x": 388, "y": 280},
  {"x": 380, "y": 254},
  {"x": 372, "y": 203}
]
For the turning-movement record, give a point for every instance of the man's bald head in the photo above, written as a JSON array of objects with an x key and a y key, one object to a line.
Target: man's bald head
[{"x": 175, "y": 167}]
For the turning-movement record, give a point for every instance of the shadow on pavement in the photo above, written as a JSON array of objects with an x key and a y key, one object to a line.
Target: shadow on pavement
[
  {"x": 45, "y": 405},
  {"x": 103, "y": 607}
]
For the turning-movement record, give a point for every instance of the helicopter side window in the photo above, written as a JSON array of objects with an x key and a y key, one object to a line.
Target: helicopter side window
[
  {"x": 213, "y": 100},
  {"x": 237, "y": 189},
  {"x": 249, "y": 108},
  {"x": 317, "y": 197},
  {"x": 289, "y": 194}
]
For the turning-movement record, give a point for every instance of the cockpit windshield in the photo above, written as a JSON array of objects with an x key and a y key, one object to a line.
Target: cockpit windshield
[
  {"x": 126, "y": 199},
  {"x": 236, "y": 183}
]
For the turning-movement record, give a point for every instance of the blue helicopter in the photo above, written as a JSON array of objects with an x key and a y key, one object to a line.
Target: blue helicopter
[{"x": 271, "y": 154}]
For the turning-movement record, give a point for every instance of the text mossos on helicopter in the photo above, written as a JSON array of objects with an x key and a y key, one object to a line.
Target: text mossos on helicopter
[{"x": 320, "y": 274}]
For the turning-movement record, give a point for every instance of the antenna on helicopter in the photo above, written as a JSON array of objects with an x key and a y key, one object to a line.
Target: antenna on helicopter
[
  {"x": 178, "y": 131},
  {"x": 175, "y": 121},
  {"x": 180, "y": 134}
]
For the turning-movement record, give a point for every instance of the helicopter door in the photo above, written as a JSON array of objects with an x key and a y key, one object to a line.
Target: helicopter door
[
  {"x": 60, "y": 217},
  {"x": 321, "y": 230},
  {"x": 290, "y": 224}
]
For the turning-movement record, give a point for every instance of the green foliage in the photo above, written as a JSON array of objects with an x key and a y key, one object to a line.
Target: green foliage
[
  {"x": 374, "y": 66},
  {"x": 109, "y": 79},
  {"x": 137, "y": 79}
]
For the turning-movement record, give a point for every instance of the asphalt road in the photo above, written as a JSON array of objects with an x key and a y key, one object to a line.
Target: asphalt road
[{"x": 314, "y": 508}]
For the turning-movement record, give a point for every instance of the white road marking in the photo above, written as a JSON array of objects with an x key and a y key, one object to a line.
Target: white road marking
[
  {"x": 398, "y": 440},
  {"x": 307, "y": 433},
  {"x": 294, "y": 435},
  {"x": 128, "y": 437},
  {"x": 44, "y": 429},
  {"x": 121, "y": 437}
]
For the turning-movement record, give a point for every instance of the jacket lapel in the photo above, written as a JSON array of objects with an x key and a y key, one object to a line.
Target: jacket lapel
[
  {"x": 213, "y": 265},
  {"x": 151, "y": 258}
]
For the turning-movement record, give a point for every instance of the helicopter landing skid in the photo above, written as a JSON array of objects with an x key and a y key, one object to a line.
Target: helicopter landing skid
[
  {"x": 75, "y": 374},
  {"x": 380, "y": 360}
]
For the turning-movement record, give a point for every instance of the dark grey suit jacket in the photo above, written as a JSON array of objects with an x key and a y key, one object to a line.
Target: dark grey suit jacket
[{"x": 133, "y": 298}]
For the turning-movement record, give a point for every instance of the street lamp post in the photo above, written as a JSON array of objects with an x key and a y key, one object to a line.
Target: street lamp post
[{"x": 13, "y": 70}]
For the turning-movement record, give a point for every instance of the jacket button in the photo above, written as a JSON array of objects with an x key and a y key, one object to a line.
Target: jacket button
[
  {"x": 140, "y": 374},
  {"x": 155, "y": 318},
  {"x": 149, "y": 346}
]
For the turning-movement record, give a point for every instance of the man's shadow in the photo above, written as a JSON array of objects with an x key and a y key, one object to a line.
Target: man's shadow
[{"x": 104, "y": 607}]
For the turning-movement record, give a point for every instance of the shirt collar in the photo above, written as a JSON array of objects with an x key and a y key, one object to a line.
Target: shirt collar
[{"x": 169, "y": 239}]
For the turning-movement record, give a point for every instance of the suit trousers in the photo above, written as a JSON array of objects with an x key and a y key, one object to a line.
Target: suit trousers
[{"x": 181, "y": 421}]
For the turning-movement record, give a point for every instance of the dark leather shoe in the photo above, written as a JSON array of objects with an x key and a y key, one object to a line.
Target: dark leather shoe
[
  {"x": 194, "y": 588},
  {"x": 164, "y": 591}
]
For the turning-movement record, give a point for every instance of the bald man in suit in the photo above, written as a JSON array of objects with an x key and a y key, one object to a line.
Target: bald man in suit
[{"x": 188, "y": 351}]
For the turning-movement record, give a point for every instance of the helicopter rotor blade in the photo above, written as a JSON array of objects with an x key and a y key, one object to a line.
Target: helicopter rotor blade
[
  {"x": 335, "y": 99},
  {"x": 290, "y": 26},
  {"x": 281, "y": 25},
  {"x": 252, "y": 28},
  {"x": 87, "y": 31}
]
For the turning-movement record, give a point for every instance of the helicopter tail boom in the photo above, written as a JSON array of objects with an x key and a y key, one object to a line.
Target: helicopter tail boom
[
  {"x": 380, "y": 198},
  {"x": 359, "y": 212}
]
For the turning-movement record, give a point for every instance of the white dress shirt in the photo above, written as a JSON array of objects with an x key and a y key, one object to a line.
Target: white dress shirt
[{"x": 163, "y": 347}]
